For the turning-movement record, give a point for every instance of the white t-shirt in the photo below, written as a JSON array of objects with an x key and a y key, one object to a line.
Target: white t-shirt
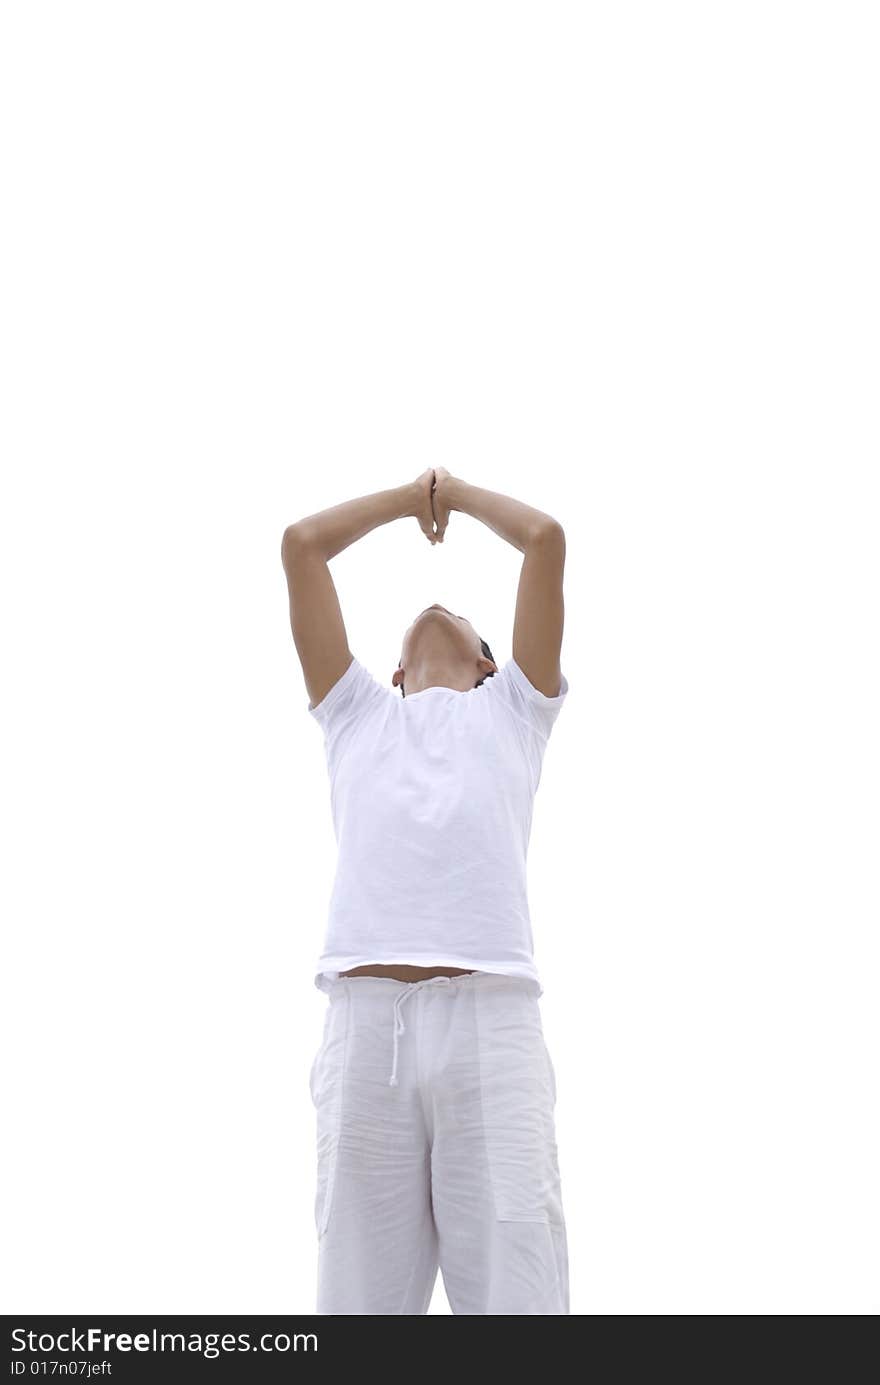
[{"x": 431, "y": 797}]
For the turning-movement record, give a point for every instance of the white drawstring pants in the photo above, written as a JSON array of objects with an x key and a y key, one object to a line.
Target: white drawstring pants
[{"x": 436, "y": 1148}]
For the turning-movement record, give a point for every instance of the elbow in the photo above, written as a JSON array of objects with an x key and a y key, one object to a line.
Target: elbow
[
  {"x": 294, "y": 538},
  {"x": 548, "y": 531}
]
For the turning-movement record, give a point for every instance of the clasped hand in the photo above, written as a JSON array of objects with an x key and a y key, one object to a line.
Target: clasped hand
[{"x": 432, "y": 507}]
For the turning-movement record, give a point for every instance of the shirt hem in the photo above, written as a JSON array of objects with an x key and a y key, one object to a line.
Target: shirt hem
[{"x": 328, "y": 968}]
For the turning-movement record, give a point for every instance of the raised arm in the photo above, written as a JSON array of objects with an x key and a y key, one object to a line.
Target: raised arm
[
  {"x": 540, "y": 608},
  {"x": 306, "y": 548}
]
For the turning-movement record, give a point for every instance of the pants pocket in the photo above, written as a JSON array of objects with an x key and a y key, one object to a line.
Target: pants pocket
[
  {"x": 326, "y": 1082},
  {"x": 518, "y": 1093},
  {"x": 328, "y": 1150},
  {"x": 551, "y": 1073}
]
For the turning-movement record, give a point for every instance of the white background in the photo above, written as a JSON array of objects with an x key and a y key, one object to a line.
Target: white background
[{"x": 619, "y": 261}]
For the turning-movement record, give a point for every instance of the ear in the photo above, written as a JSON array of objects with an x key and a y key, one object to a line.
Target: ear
[{"x": 397, "y": 678}]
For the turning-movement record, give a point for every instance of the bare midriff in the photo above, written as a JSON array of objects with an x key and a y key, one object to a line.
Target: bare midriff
[{"x": 404, "y": 972}]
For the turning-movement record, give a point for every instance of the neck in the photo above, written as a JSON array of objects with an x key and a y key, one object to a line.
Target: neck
[{"x": 438, "y": 675}]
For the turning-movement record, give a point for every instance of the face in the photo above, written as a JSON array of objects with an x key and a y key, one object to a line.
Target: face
[{"x": 440, "y": 635}]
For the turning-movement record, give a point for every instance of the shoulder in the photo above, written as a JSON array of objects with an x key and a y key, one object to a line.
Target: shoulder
[
  {"x": 512, "y": 675},
  {"x": 354, "y": 690},
  {"x": 511, "y": 686}
]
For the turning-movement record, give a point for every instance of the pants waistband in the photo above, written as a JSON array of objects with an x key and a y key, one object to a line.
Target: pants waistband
[{"x": 486, "y": 979}]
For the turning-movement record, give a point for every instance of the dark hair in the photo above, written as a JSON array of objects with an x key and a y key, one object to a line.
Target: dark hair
[{"x": 487, "y": 654}]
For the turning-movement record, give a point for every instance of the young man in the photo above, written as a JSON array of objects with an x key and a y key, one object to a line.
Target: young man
[{"x": 433, "y": 1086}]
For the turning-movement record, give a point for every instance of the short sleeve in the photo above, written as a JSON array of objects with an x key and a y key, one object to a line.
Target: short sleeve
[
  {"x": 529, "y": 704},
  {"x": 347, "y": 706}
]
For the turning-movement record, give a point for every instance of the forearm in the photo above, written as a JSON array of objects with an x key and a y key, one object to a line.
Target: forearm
[
  {"x": 329, "y": 531},
  {"x": 511, "y": 519}
]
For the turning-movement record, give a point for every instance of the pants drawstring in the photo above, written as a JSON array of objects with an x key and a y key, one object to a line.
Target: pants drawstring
[{"x": 397, "y": 1018}]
